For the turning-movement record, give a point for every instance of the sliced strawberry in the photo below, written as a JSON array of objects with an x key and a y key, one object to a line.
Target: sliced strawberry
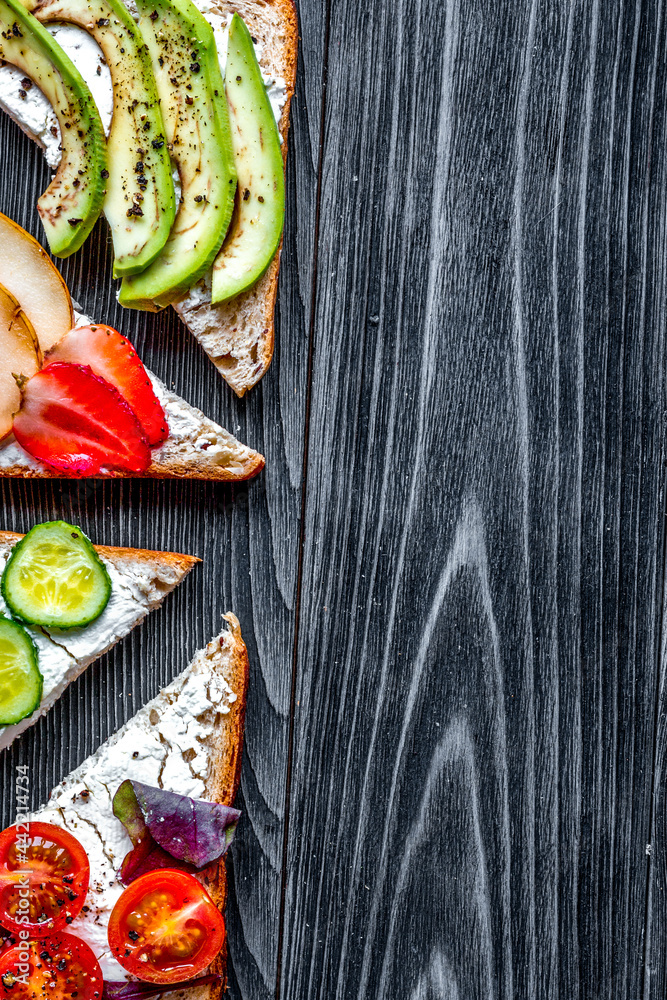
[
  {"x": 113, "y": 357},
  {"x": 76, "y": 422}
]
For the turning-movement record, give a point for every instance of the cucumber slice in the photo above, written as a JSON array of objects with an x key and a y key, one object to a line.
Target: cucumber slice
[
  {"x": 55, "y": 578},
  {"x": 20, "y": 679}
]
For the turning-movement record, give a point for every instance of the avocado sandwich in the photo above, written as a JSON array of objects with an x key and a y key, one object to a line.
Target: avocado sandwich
[{"x": 170, "y": 117}]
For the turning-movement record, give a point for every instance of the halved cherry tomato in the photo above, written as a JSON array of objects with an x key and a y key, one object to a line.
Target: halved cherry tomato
[
  {"x": 44, "y": 875},
  {"x": 58, "y": 968},
  {"x": 165, "y": 928}
]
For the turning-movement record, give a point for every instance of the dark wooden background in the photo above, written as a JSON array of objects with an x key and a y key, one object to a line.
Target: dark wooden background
[{"x": 450, "y": 576}]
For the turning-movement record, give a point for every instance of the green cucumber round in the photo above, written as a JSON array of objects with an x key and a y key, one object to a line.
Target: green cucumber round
[
  {"x": 20, "y": 678},
  {"x": 55, "y": 578}
]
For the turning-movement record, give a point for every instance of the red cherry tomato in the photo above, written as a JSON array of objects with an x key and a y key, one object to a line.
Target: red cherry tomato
[
  {"x": 44, "y": 875},
  {"x": 58, "y": 967},
  {"x": 165, "y": 928}
]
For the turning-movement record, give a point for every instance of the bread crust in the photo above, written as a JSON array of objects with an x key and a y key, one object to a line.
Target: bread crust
[
  {"x": 225, "y": 778},
  {"x": 178, "y": 561},
  {"x": 208, "y": 473},
  {"x": 266, "y": 289}
]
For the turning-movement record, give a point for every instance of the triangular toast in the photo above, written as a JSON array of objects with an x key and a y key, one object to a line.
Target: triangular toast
[
  {"x": 197, "y": 448},
  {"x": 141, "y": 579},
  {"x": 238, "y": 335},
  {"x": 188, "y": 740}
]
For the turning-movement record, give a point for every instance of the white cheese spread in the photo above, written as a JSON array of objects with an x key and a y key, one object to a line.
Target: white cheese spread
[
  {"x": 164, "y": 745},
  {"x": 27, "y": 105}
]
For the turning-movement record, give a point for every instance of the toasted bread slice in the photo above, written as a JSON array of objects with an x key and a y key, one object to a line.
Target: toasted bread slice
[
  {"x": 238, "y": 335},
  {"x": 140, "y": 579},
  {"x": 197, "y": 448},
  {"x": 188, "y": 740}
]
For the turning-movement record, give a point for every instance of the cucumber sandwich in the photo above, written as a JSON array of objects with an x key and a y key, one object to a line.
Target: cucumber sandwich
[{"x": 64, "y": 603}]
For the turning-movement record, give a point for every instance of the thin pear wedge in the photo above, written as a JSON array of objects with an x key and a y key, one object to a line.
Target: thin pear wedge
[{"x": 20, "y": 354}]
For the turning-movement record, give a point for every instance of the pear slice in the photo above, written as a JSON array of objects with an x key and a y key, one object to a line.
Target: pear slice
[
  {"x": 26, "y": 272},
  {"x": 20, "y": 354}
]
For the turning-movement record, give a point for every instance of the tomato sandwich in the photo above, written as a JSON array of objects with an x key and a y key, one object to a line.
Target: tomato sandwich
[{"x": 117, "y": 886}]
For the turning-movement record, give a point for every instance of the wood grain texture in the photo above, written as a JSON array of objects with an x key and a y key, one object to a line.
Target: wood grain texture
[
  {"x": 477, "y": 752},
  {"x": 482, "y": 585}
]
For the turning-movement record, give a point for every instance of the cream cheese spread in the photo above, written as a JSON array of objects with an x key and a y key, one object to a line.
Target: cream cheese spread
[{"x": 163, "y": 745}]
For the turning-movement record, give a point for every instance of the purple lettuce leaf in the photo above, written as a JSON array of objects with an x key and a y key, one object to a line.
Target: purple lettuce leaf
[
  {"x": 170, "y": 830},
  {"x": 124, "y": 990}
]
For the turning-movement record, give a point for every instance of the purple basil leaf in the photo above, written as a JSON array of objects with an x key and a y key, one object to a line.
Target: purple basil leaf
[
  {"x": 146, "y": 857},
  {"x": 189, "y": 830},
  {"x": 141, "y": 991}
]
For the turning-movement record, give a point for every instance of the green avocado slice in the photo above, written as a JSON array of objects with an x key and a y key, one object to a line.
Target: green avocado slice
[
  {"x": 73, "y": 200},
  {"x": 257, "y": 226},
  {"x": 140, "y": 204},
  {"x": 189, "y": 82}
]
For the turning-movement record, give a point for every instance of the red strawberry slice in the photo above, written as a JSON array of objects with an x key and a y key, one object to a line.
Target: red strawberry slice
[
  {"x": 112, "y": 357},
  {"x": 76, "y": 422}
]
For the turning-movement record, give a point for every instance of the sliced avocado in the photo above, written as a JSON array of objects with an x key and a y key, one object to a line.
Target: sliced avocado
[
  {"x": 257, "y": 227},
  {"x": 73, "y": 200},
  {"x": 189, "y": 82},
  {"x": 140, "y": 204}
]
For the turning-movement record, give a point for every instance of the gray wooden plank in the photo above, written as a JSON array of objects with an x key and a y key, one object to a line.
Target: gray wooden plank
[
  {"x": 248, "y": 535},
  {"x": 478, "y": 639},
  {"x": 655, "y": 965}
]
